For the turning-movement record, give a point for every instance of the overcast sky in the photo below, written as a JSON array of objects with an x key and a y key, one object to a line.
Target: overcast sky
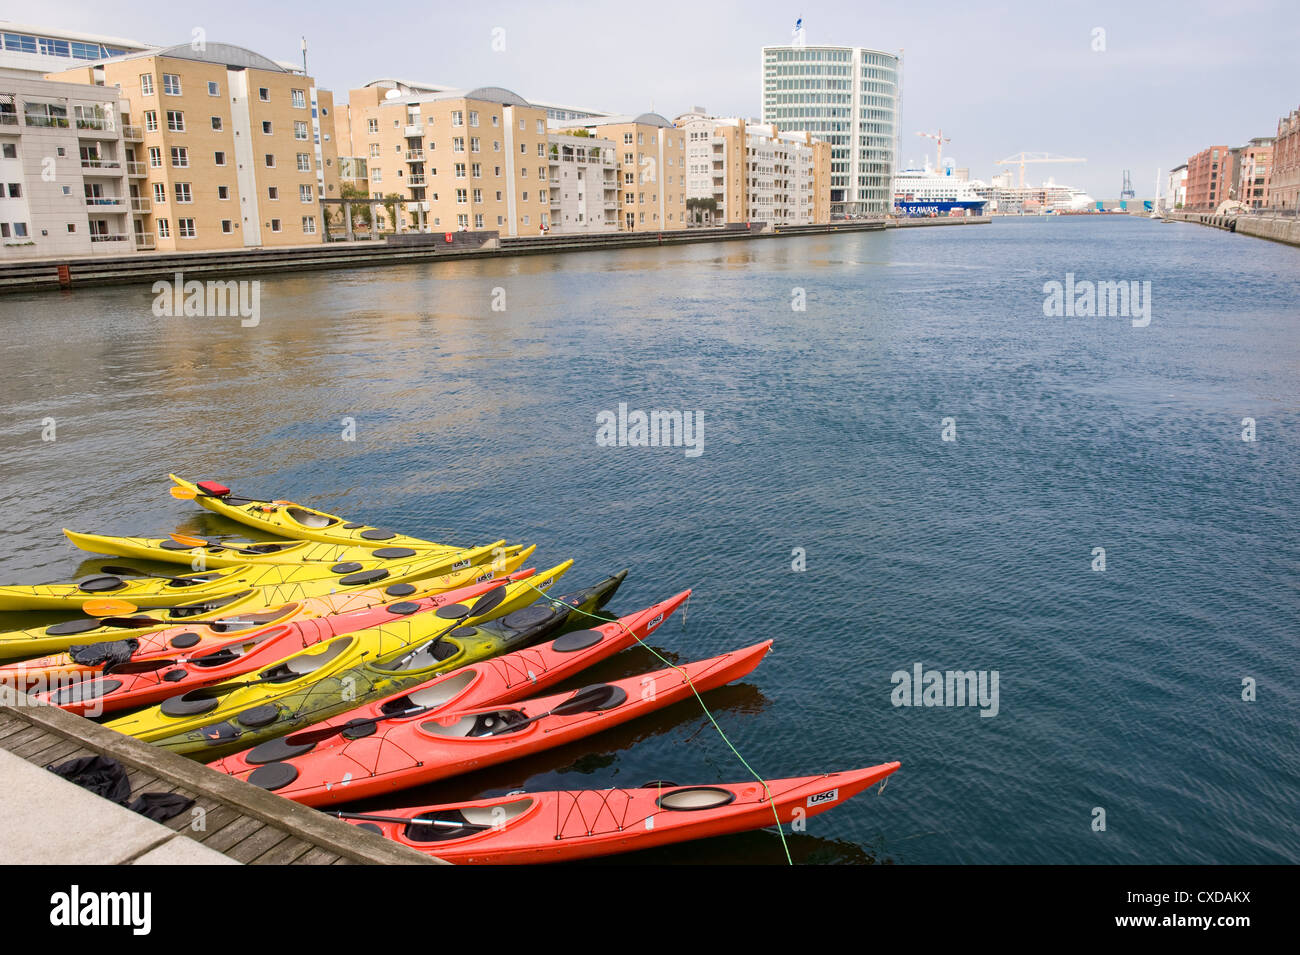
[{"x": 997, "y": 78}]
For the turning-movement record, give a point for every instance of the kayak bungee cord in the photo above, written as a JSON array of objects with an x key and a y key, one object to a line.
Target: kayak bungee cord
[{"x": 771, "y": 799}]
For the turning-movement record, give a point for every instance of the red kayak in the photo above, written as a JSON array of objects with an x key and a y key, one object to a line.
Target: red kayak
[
  {"x": 157, "y": 671},
  {"x": 562, "y": 826},
  {"x": 276, "y": 764},
  {"x": 412, "y": 752}
]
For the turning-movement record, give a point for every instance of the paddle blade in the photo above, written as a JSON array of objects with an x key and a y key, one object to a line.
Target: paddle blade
[
  {"x": 131, "y": 623},
  {"x": 488, "y": 602},
  {"x": 188, "y": 541},
  {"x": 139, "y": 666},
  {"x": 108, "y": 608},
  {"x": 595, "y": 697},
  {"x": 183, "y": 494}
]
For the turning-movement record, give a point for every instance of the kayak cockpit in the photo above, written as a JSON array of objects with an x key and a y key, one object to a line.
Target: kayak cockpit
[
  {"x": 496, "y": 723},
  {"x": 247, "y": 620},
  {"x": 310, "y": 519},
  {"x": 460, "y": 823},
  {"x": 439, "y": 694}
]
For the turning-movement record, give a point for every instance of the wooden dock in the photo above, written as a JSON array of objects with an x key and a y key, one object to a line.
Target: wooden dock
[{"x": 46, "y": 819}]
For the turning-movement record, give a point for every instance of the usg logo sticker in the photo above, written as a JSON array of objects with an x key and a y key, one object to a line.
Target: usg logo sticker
[
  {"x": 461, "y": 564},
  {"x": 655, "y": 622},
  {"x": 829, "y": 796}
]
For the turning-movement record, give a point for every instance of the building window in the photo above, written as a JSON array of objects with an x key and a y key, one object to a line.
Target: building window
[
  {"x": 227, "y": 226},
  {"x": 9, "y": 151},
  {"x": 185, "y": 228},
  {"x": 458, "y": 144},
  {"x": 175, "y": 120},
  {"x": 309, "y": 225},
  {"x": 372, "y": 126},
  {"x": 264, "y": 94},
  {"x": 457, "y": 118},
  {"x": 300, "y": 130},
  {"x": 270, "y": 160},
  {"x": 304, "y": 162},
  {"x": 213, "y": 88},
  {"x": 180, "y": 157},
  {"x": 460, "y": 170},
  {"x": 266, "y": 127},
  {"x": 476, "y": 170},
  {"x": 146, "y": 84},
  {"x": 299, "y": 99},
  {"x": 159, "y": 193},
  {"x": 164, "y": 229},
  {"x": 219, "y": 158},
  {"x": 275, "y": 225},
  {"x": 151, "y": 120},
  {"x": 171, "y": 84},
  {"x": 183, "y": 192},
  {"x": 304, "y": 193},
  {"x": 496, "y": 121},
  {"x": 462, "y": 195},
  {"x": 473, "y": 144},
  {"x": 216, "y": 123},
  {"x": 223, "y": 192},
  {"x": 541, "y": 127}
]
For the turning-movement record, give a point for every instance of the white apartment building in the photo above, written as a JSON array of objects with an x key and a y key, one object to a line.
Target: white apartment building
[
  {"x": 848, "y": 97},
  {"x": 65, "y": 182},
  {"x": 743, "y": 171},
  {"x": 33, "y": 51},
  {"x": 584, "y": 184}
]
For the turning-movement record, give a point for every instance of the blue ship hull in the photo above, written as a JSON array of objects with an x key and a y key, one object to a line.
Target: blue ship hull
[{"x": 935, "y": 207}]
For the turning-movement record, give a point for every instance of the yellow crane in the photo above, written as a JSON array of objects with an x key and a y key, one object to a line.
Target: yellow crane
[{"x": 1021, "y": 158}]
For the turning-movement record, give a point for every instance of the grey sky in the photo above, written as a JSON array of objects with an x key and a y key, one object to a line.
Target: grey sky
[{"x": 998, "y": 78}]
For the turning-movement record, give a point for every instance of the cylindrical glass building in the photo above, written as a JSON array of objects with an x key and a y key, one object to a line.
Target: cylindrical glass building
[{"x": 848, "y": 97}]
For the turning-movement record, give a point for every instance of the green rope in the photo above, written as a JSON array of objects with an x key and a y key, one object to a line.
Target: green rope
[{"x": 689, "y": 682}]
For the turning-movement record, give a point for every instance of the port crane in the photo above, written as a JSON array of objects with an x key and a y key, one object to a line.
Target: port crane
[
  {"x": 1020, "y": 159},
  {"x": 938, "y": 138}
]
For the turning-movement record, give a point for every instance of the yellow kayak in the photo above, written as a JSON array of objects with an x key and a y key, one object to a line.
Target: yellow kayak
[
  {"x": 318, "y": 676},
  {"x": 160, "y": 590},
  {"x": 37, "y": 641},
  {"x": 214, "y": 554},
  {"x": 296, "y": 521}
]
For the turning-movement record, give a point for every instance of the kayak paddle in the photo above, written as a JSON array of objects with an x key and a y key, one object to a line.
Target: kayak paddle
[
  {"x": 437, "y": 823},
  {"x": 589, "y": 698},
  {"x": 133, "y": 572},
  {"x": 456, "y": 613}
]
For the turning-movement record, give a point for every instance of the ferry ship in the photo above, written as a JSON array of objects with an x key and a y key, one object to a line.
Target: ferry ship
[{"x": 924, "y": 192}]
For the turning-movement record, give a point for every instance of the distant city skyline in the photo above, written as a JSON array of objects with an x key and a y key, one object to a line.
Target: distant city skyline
[{"x": 1162, "y": 81}]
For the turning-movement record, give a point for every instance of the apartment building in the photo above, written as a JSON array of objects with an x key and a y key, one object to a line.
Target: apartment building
[
  {"x": 64, "y": 175},
  {"x": 741, "y": 171},
  {"x": 34, "y": 51},
  {"x": 1284, "y": 181},
  {"x": 1254, "y": 165},
  {"x": 226, "y": 148},
  {"x": 651, "y": 156},
  {"x": 584, "y": 184},
  {"x": 1176, "y": 188},
  {"x": 1209, "y": 179},
  {"x": 453, "y": 160}
]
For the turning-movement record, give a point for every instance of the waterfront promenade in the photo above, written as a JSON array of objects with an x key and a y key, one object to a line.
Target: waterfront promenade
[{"x": 49, "y": 274}]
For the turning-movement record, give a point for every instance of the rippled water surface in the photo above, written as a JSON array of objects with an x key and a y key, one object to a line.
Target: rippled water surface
[{"x": 822, "y": 430}]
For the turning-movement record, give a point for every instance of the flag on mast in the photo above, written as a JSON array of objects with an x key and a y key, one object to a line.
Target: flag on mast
[{"x": 797, "y": 37}]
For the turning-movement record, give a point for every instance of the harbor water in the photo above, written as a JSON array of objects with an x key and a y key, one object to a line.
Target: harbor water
[{"x": 900, "y": 460}]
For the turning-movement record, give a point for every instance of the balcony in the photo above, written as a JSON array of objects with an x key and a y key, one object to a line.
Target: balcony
[
  {"x": 96, "y": 129},
  {"x": 133, "y": 134},
  {"x": 413, "y": 131},
  {"x": 141, "y": 204},
  {"x": 415, "y": 155},
  {"x": 47, "y": 122},
  {"x": 95, "y": 163},
  {"x": 111, "y": 203},
  {"x": 8, "y": 119},
  {"x": 136, "y": 170},
  {"x": 415, "y": 180},
  {"x": 145, "y": 241},
  {"x": 109, "y": 237}
]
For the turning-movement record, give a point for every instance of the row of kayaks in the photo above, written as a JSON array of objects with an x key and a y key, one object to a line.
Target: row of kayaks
[{"x": 336, "y": 661}]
